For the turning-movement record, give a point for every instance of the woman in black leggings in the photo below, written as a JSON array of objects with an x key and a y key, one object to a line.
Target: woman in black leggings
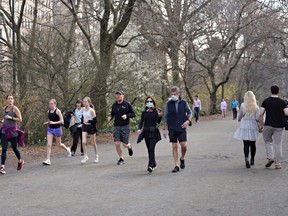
[
  {"x": 10, "y": 132},
  {"x": 149, "y": 120},
  {"x": 249, "y": 127}
]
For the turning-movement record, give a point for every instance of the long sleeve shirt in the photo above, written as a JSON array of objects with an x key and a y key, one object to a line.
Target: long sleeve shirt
[
  {"x": 118, "y": 110},
  {"x": 149, "y": 119}
]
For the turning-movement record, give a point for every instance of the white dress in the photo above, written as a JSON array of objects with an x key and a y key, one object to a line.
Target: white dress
[{"x": 249, "y": 126}]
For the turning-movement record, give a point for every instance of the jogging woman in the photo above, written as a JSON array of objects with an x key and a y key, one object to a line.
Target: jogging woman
[
  {"x": 77, "y": 133},
  {"x": 249, "y": 128},
  {"x": 54, "y": 130},
  {"x": 149, "y": 120},
  {"x": 89, "y": 129},
  {"x": 10, "y": 133}
]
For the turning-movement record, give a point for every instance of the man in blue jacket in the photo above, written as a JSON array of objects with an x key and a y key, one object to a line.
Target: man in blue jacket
[
  {"x": 234, "y": 107},
  {"x": 177, "y": 118}
]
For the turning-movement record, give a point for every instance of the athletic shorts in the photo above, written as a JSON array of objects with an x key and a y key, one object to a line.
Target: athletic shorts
[
  {"x": 121, "y": 133},
  {"x": 89, "y": 129},
  {"x": 57, "y": 132},
  {"x": 176, "y": 136}
]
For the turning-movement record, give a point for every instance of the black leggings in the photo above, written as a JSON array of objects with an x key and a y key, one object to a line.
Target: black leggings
[
  {"x": 151, "y": 144},
  {"x": 14, "y": 142},
  {"x": 76, "y": 136},
  {"x": 247, "y": 145}
]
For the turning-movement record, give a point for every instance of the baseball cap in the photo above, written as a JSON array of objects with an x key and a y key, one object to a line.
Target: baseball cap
[{"x": 120, "y": 92}]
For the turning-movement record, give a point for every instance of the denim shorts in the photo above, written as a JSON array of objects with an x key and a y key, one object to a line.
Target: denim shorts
[
  {"x": 57, "y": 132},
  {"x": 121, "y": 133}
]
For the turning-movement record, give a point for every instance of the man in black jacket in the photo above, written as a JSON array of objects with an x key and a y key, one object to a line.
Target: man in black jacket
[{"x": 121, "y": 112}]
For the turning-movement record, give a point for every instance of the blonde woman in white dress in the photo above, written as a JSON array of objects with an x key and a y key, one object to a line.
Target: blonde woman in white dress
[{"x": 248, "y": 131}]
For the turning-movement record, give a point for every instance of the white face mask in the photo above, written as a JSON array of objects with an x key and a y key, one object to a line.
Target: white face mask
[
  {"x": 149, "y": 104},
  {"x": 174, "y": 98}
]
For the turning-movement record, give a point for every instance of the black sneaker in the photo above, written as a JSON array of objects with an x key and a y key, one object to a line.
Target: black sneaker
[
  {"x": 182, "y": 164},
  {"x": 20, "y": 165},
  {"x": 120, "y": 161},
  {"x": 269, "y": 163},
  {"x": 176, "y": 169},
  {"x": 252, "y": 162},
  {"x": 130, "y": 151},
  {"x": 150, "y": 169}
]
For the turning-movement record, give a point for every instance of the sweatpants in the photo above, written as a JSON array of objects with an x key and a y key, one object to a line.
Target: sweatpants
[{"x": 273, "y": 143}]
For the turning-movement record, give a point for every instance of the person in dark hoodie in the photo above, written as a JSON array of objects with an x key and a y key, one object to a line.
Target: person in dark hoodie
[
  {"x": 89, "y": 128},
  {"x": 148, "y": 130},
  {"x": 121, "y": 112}
]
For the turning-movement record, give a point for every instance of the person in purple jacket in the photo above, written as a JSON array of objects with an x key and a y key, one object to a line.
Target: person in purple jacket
[{"x": 9, "y": 132}]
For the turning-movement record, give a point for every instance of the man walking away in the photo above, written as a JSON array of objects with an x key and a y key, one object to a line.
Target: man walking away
[
  {"x": 275, "y": 109},
  {"x": 177, "y": 117},
  {"x": 121, "y": 113},
  {"x": 234, "y": 107}
]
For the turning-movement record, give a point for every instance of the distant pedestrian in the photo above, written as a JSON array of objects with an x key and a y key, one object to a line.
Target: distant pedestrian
[
  {"x": 235, "y": 108},
  {"x": 121, "y": 112},
  {"x": 55, "y": 120},
  {"x": 10, "y": 132},
  {"x": 77, "y": 131},
  {"x": 177, "y": 118},
  {"x": 148, "y": 130},
  {"x": 249, "y": 128},
  {"x": 89, "y": 129},
  {"x": 275, "y": 110},
  {"x": 197, "y": 107},
  {"x": 223, "y": 107}
]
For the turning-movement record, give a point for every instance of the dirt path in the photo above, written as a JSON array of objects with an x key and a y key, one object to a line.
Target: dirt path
[{"x": 215, "y": 181}]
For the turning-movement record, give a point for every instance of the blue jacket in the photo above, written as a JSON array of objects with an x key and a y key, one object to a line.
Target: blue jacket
[
  {"x": 176, "y": 114},
  {"x": 234, "y": 104}
]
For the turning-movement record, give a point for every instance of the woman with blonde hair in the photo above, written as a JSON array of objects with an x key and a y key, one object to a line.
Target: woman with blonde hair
[
  {"x": 249, "y": 127},
  {"x": 54, "y": 129},
  {"x": 89, "y": 129}
]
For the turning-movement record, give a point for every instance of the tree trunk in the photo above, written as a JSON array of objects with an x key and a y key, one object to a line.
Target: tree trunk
[
  {"x": 223, "y": 91},
  {"x": 99, "y": 87},
  {"x": 213, "y": 102}
]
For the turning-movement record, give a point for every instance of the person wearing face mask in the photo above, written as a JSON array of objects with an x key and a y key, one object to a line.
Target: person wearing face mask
[
  {"x": 148, "y": 130},
  {"x": 177, "y": 118}
]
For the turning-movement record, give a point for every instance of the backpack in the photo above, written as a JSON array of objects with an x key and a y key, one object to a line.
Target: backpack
[{"x": 67, "y": 118}]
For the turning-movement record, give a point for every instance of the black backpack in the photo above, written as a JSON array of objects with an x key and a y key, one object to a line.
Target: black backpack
[{"x": 67, "y": 118}]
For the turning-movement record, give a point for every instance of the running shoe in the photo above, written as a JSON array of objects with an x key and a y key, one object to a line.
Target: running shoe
[
  {"x": 130, "y": 150},
  {"x": 182, "y": 164},
  {"x": 96, "y": 159},
  {"x": 2, "y": 170},
  {"x": 269, "y": 163},
  {"x": 20, "y": 165},
  {"x": 120, "y": 161},
  {"x": 85, "y": 159},
  {"x": 150, "y": 169},
  {"x": 72, "y": 153},
  {"x": 176, "y": 169},
  {"x": 46, "y": 162},
  {"x": 69, "y": 152}
]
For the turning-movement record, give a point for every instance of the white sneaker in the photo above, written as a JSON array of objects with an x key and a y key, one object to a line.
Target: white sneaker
[
  {"x": 46, "y": 162},
  {"x": 96, "y": 159},
  {"x": 85, "y": 159},
  {"x": 69, "y": 152}
]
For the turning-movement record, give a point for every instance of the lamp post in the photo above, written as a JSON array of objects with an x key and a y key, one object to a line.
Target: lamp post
[{"x": 13, "y": 46}]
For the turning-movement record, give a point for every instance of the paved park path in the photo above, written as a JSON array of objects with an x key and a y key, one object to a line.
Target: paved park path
[{"x": 215, "y": 182}]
